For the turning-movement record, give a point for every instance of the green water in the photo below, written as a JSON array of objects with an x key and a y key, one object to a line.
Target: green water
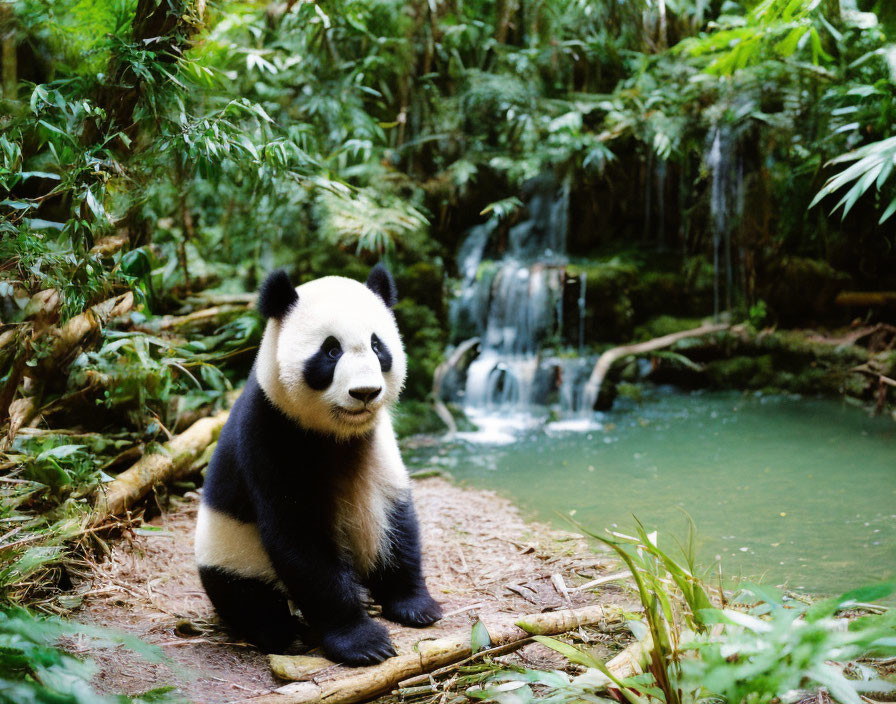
[{"x": 795, "y": 492}]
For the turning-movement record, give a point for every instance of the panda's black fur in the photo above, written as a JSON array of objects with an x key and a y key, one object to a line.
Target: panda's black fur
[{"x": 272, "y": 472}]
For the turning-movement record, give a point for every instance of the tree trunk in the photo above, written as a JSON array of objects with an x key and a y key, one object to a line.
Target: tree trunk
[{"x": 10, "y": 78}]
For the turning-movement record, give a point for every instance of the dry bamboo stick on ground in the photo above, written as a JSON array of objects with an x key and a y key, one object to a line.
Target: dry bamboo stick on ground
[
  {"x": 173, "y": 460},
  {"x": 602, "y": 580},
  {"x": 364, "y": 684}
]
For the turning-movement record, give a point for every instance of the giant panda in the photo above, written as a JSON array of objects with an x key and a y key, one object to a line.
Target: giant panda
[{"x": 306, "y": 498}]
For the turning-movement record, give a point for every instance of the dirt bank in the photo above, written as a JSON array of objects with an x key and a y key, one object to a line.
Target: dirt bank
[{"x": 481, "y": 559}]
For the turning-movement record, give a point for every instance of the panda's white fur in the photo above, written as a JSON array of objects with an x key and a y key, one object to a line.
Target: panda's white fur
[
  {"x": 223, "y": 541},
  {"x": 349, "y": 311}
]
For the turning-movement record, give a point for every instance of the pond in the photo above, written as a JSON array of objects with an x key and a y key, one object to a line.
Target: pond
[{"x": 790, "y": 491}]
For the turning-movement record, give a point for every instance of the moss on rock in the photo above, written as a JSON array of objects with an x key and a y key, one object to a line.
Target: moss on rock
[{"x": 665, "y": 325}]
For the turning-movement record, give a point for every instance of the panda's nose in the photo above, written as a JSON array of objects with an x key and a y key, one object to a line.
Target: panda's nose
[{"x": 365, "y": 393}]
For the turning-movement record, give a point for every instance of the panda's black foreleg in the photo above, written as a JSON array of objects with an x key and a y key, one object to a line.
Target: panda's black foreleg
[
  {"x": 325, "y": 588},
  {"x": 254, "y": 609},
  {"x": 398, "y": 582}
]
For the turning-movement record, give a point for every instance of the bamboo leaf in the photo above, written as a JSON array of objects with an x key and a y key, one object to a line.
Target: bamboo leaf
[{"x": 479, "y": 637}]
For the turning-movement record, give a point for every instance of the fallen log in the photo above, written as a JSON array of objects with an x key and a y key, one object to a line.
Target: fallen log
[
  {"x": 172, "y": 461},
  {"x": 66, "y": 342},
  {"x": 427, "y": 655},
  {"x": 206, "y": 300},
  {"x": 439, "y": 375},
  {"x": 76, "y": 331},
  {"x": 870, "y": 299},
  {"x": 611, "y": 356},
  {"x": 882, "y": 378},
  {"x": 204, "y": 319}
]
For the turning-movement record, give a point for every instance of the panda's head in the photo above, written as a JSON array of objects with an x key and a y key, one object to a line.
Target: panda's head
[{"x": 331, "y": 357}]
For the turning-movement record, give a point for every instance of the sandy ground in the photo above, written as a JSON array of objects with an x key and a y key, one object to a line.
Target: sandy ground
[{"x": 481, "y": 559}]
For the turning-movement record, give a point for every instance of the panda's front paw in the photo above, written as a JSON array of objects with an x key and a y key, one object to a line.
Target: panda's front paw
[
  {"x": 365, "y": 642},
  {"x": 417, "y": 611}
]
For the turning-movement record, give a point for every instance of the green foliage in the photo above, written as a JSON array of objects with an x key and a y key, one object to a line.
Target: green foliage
[
  {"x": 758, "y": 314},
  {"x": 873, "y": 165},
  {"x": 759, "y": 648},
  {"x": 415, "y": 417},
  {"x": 780, "y": 645},
  {"x": 35, "y": 669},
  {"x": 357, "y": 222},
  {"x": 425, "y": 339},
  {"x": 776, "y": 29}
]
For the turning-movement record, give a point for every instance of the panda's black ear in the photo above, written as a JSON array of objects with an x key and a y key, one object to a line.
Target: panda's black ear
[
  {"x": 380, "y": 281},
  {"x": 276, "y": 295}
]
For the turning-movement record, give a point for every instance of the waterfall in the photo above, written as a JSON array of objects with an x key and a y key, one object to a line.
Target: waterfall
[
  {"x": 511, "y": 297},
  {"x": 583, "y": 283},
  {"x": 726, "y": 207}
]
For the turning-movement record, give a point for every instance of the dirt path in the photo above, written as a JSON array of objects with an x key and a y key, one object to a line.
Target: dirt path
[{"x": 481, "y": 558}]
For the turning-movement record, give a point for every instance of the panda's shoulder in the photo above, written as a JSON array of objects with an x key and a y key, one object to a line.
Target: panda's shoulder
[{"x": 256, "y": 428}]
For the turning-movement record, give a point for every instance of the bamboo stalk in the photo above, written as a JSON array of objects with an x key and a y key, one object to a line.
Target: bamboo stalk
[
  {"x": 174, "y": 459},
  {"x": 65, "y": 342},
  {"x": 427, "y": 655}
]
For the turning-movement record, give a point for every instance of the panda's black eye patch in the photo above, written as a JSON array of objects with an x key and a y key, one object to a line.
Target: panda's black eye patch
[
  {"x": 382, "y": 352},
  {"x": 320, "y": 367}
]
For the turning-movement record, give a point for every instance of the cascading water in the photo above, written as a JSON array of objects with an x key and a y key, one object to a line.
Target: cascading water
[
  {"x": 512, "y": 299},
  {"x": 726, "y": 208}
]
